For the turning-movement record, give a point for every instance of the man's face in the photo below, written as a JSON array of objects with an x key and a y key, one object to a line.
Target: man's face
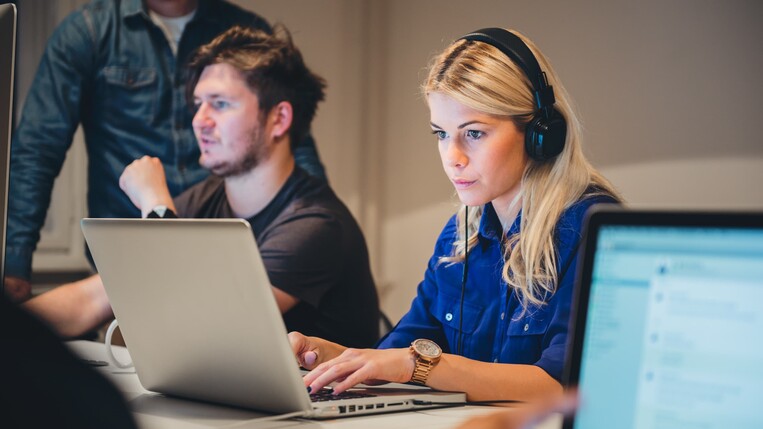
[{"x": 228, "y": 122}]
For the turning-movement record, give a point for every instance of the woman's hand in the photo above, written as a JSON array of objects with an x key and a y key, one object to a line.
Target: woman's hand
[
  {"x": 312, "y": 351},
  {"x": 369, "y": 366}
]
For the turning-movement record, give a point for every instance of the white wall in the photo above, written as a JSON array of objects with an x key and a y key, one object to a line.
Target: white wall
[{"x": 669, "y": 92}]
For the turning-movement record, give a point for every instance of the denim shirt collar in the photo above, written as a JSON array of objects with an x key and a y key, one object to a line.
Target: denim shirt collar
[{"x": 490, "y": 225}]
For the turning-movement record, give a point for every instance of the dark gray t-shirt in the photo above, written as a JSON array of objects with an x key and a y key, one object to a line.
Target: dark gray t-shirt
[{"x": 312, "y": 249}]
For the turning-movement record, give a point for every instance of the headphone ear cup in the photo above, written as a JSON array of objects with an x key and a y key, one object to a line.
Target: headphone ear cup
[{"x": 545, "y": 137}]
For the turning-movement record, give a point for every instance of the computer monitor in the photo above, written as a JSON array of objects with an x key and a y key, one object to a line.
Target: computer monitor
[{"x": 7, "y": 57}]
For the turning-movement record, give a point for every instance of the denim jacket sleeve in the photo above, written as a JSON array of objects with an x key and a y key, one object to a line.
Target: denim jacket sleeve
[
  {"x": 49, "y": 119},
  {"x": 420, "y": 322}
]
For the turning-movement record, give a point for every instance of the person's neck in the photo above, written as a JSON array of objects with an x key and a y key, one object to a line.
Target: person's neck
[
  {"x": 507, "y": 208},
  {"x": 172, "y": 8},
  {"x": 249, "y": 193}
]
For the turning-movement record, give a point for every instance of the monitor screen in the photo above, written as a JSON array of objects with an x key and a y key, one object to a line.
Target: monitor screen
[{"x": 672, "y": 337}]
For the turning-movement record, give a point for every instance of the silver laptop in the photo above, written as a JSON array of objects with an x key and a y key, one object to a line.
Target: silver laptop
[
  {"x": 197, "y": 313},
  {"x": 669, "y": 324}
]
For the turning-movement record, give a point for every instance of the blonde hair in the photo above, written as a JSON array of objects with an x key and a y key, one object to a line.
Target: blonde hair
[{"x": 483, "y": 78}]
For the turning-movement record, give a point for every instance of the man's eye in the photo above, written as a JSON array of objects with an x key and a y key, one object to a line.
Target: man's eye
[
  {"x": 220, "y": 104},
  {"x": 474, "y": 134}
]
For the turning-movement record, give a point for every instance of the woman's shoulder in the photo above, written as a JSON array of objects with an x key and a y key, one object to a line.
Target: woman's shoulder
[
  {"x": 574, "y": 216},
  {"x": 593, "y": 195}
]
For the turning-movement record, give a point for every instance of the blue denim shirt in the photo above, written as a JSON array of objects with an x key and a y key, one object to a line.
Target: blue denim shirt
[
  {"x": 108, "y": 67},
  {"x": 494, "y": 328}
]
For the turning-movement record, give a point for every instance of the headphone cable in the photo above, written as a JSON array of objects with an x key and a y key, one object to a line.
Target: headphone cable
[{"x": 463, "y": 282}]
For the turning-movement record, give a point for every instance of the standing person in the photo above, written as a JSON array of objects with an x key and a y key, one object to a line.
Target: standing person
[
  {"x": 117, "y": 68},
  {"x": 491, "y": 316},
  {"x": 254, "y": 98}
]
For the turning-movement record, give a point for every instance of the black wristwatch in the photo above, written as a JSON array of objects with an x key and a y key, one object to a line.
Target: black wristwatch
[{"x": 161, "y": 212}]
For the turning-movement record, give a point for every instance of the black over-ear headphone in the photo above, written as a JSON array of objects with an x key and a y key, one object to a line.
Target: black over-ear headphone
[{"x": 546, "y": 132}]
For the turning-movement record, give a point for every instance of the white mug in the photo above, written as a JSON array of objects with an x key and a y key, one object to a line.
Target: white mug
[{"x": 109, "y": 352}]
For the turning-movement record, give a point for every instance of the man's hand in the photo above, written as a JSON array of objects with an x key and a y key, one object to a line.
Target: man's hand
[
  {"x": 146, "y": 185},
  {"x": 17, "y": 289}
]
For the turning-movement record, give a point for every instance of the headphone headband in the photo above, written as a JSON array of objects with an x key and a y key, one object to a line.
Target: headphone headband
[
  {"x": 514, "y": 48},
  {"x": 546, "y": 133}
]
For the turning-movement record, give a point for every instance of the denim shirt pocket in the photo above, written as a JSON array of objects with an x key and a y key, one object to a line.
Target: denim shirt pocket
[
  {"x": 535, "y": 321},
  {"x": 526, "y": 335},
  {"x": 447, "y": 309},
  {"x": 131, "y": 92}
]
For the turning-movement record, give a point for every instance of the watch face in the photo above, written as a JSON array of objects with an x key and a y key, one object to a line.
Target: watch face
[{"x": 427, "y": 348}]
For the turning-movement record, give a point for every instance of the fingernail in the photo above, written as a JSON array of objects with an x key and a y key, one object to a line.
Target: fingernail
[{"x": 309, "y": 389}]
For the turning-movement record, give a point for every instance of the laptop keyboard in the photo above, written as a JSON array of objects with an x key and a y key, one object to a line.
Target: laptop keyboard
[{"x": 327, "y": 394}]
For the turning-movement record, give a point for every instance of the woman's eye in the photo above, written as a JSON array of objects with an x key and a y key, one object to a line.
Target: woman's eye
[
  {"x": 474, "y": 134},
  {"x": 440, "y": 134}
]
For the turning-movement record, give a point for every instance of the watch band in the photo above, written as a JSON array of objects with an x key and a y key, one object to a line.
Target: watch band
[
  {"x": 158, "y": 213},
  {"x": 421, "y": 370}
]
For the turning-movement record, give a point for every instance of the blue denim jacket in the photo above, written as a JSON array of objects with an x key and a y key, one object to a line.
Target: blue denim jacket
[
  {"x": 495, "y": 329},
  {"x": 108, "y": 67}
]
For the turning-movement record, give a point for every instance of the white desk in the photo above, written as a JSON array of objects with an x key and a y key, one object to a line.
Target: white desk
[{"x": 153, "y": 411}]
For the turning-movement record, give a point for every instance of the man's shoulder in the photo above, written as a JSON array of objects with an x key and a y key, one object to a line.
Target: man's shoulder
[
  {"x": 313, "y": 204},
  {"x": 95, "y": 19},
  {"x": 99, "y": 11}
]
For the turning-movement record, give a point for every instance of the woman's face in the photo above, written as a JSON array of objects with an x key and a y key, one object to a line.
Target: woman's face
[{"x": 482, "y": 155}]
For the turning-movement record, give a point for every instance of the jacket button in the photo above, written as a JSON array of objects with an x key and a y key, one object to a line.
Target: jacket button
[{"x": 449, "y": 317}]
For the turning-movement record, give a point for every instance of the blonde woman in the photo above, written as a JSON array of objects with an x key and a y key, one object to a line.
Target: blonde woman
[{"x": 491, "y": 315}]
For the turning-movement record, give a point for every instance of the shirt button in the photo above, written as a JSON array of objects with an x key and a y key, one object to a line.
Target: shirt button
[
  {"x": 449, "y": 317},
  {"x": 503, "y": 316},
  {"x": 527, "y": 326}
]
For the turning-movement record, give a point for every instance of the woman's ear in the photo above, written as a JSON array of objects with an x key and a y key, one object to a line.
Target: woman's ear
[{"x": 280, "y": 118}]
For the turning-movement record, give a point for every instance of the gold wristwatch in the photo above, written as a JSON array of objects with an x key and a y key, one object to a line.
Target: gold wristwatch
[{"x": 426, "y": 354}]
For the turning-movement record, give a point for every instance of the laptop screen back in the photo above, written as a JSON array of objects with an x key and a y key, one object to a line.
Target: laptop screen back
[{"x": 672, "y": 337}]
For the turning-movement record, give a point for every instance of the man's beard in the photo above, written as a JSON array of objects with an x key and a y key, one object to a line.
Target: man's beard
[{"x": 254, "y": 154}]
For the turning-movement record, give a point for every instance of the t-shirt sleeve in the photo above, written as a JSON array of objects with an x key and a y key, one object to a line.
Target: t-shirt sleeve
[{"x": 303, "y": 255}]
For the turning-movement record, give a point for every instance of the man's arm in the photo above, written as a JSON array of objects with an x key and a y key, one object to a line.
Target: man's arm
[
  {"x": 50, "y": 116},
  {"x": 73, "y": 309}
]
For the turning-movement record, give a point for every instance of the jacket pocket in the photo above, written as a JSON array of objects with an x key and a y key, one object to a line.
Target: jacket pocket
[
  {"x": 535, "y": 321},
  {"x": 131, "y": 92},
  {"x": 525, "y": 336},
  {"x": 447, "y": 310}
]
